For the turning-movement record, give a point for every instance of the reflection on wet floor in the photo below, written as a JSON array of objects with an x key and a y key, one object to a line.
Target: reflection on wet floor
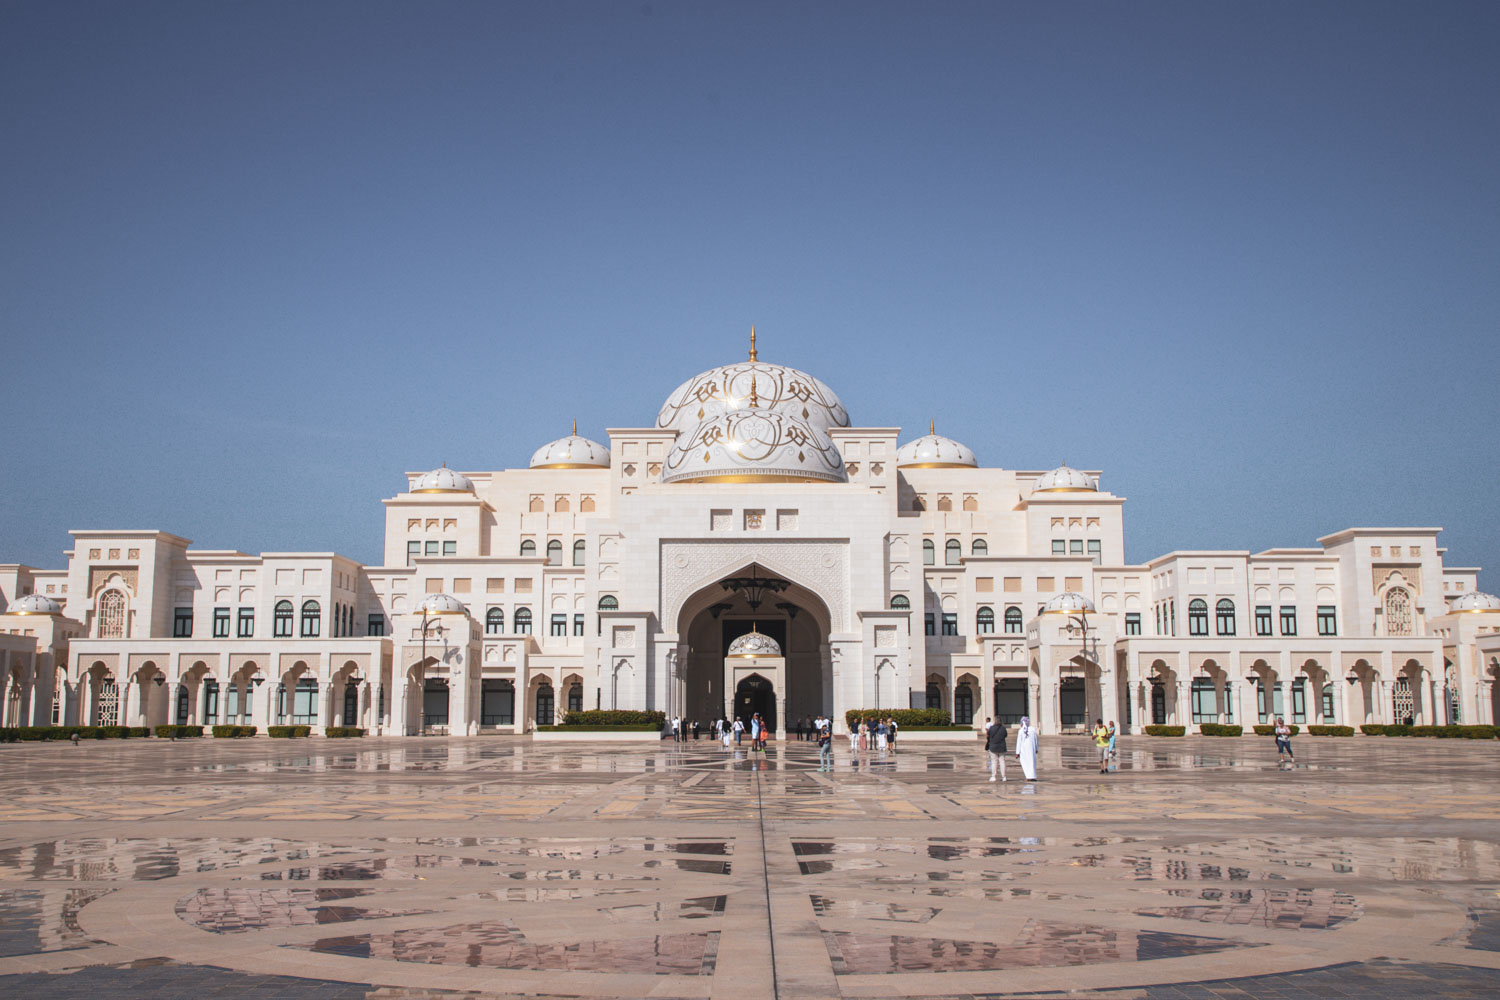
[
  {"x": 691, "y": 865},
  {"x": 233, "y": 911},
  {"x": 688, "y": 909},
  {"x": 864, "y": 909},
  {"x": 1285, "y": 909},
  {"x": 397, "y": 868},
  {"x": 501, "y": 945},
  {"x": 148, "y": 859},
  {"x": 43, "y": 919}
]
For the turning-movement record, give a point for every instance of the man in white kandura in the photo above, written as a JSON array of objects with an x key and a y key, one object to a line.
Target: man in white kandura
[{"x": 1026, "y": 748}]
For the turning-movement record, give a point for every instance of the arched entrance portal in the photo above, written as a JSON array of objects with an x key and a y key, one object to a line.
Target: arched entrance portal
[{"x": 755, "y": 695}]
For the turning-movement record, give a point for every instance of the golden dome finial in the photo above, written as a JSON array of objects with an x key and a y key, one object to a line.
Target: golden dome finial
[
  {"x": 754, "y": 397},
  {"x": 575, "y": 426},
  {"x": 931, "y": 427},
  {"x": 753, "y": 356}
]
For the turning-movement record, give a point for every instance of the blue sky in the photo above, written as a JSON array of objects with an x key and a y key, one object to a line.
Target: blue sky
[{"x": 259, "y": 258}]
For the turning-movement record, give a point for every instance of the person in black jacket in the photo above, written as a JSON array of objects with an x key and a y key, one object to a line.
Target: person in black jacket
[{"x": 994, "y": 744}]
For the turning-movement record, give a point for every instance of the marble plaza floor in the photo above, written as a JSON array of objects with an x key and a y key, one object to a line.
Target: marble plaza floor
[{"x": 492, "y": 867}]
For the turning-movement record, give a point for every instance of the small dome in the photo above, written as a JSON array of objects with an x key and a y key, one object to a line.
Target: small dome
[
  {"x": 1064, "y": 479},
  {"x": 571, "y": 452},
  {"x": 1068, "y": 603},
  {"x": 1473, "y": 602},
  {"x": 35, "y": 604},
  {"x": 443, "y": 480},
  {"x": 933, "y": 451},
  {"x": 441, "y": 604},
  {"x": 754, "y": 643}
]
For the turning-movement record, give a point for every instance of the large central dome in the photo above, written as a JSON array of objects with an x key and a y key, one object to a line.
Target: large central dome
[{"x": 753, "y": 421}]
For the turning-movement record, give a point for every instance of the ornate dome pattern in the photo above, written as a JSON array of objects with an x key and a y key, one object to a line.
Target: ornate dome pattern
[
  {"x": 1474, "y": 602},
  {"x": 753, "y": 445},
  {"x": 754, "y": 643},
  {"x": 441, "y": 604},
  {"x": 443, "y": 480},
  {"x": 1064, "y": 479},
  {"x": 1068, "y": 603},
  {"x": 571, "y": 452},
  {"x": 35, "y": 604},
  {"x": 933, "y": 451},
  {"x": 729, "y": 387}
]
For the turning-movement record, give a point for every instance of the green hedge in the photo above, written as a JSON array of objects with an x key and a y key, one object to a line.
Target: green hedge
[
  {"x": 571, "y": 728},
  {"x": 1271, "y": 730},
  {"x": 342, "y": 732},
  {"x": 39, "y": 734},
  {"x": 1440, "y": 732},
  {"x": 903, "y": 717},
  {"x": 233, "y": 732},
  {"x": 1330, "y": 730},
  {"x": 286, "y": 732},
  {"x": 615, "y": 717},
  {"x": 1166, "y": 730},
  {"x": 939, "y": 729},
  {"x": 1220, "y": 729},
  {"x": 178, "y": 732}
]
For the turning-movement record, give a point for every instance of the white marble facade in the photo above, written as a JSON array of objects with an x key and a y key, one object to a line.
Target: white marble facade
[{"x": 595, "y": 578}]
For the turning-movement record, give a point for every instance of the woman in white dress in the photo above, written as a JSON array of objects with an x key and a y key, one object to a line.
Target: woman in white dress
[{"x": 1026, "y": 748}]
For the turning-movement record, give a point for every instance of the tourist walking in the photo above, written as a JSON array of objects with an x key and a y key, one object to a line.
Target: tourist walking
[
  {"x": 854, "y": 739},
  {"x": 1284, "y": 741},
  {"x": 994, "y": 745},
  {"x": 739, "y": 731},
  {"x": 825, "y": 749},
  {"x": 890, "y": 724},
  {"x": 882, "y": 735},
  {"x": 1026, "y": 748},
  {"x": 676, "y": 729},
  {"x": 755, "y": 732},
  {"x": 1113, "y": 732},
  {"x": 1101, "y": 744}
]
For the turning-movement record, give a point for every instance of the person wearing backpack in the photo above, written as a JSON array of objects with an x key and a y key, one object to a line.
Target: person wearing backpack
[
  {"x": 994, "y": 745},
  {"x": 825, "y": 749}
]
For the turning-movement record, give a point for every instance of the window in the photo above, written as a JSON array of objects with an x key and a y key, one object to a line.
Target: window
[
  {"x": 1328, "y": 705},
  {"x": 1013, "y": 622},
  {"x": 578, "y": 627},
  {"x": 554, "y": 553},
  {"x": 1398, "y": 617},
  {"x": 1096, "y": 551},
  {"x": 544, "y": 702},
  {"x": 305, "y": 703},
  {"x": 413, "y": 549},
  {"x": 580, "y": 549},
  {"x": 1205, "y": 707},
  {"x": 1224, "y": 612},
  {"x": 980, "y": 547},
  {"x": 559, "y": 625},
  {"x": 182, "y": 623},
  {"x": 1288, "y": 619},
  {"x": 953, "y": 552},
  {"x": 281, "y": 626},
  {"x": 312, "y": 619},
  {"x": 221, "y": 623},
  {"x": 376, "y": 625},
  {"x": 1059, "y": 547},
  {"x": 497, "y": 703},
  {"x": 963, "y": 705},
  {"x": 528, "y": 548},
  {"x": 450, "y": 548},
  {"x": 575, "y": 697},
  {"x": 950, "y": 623},
  {"x": 984, "y": 621},
  {"x": 1299, "y": 700},
  {"x": 900, "y": 603},
  {"x": 494, "y": 621},
  {"x": 1132, "y": 623},
  {"x": 929, "y": 552},
  {"x": 111, "y": 615},
  {"x": 1075, "y": 546},
  {"x": 934, "y": 696},
  {"x": 929, "y": 623},
  {"x": 1197, "y": 617},
  {"x": 432, "y": 548},
  {"x": 1263, "y": 619},
  {"x": 246, "y": 629},
  {"x": 1328, "y": 620},
  {"x": 523, "y": 621},
  {"x": 606, "y": 603}
]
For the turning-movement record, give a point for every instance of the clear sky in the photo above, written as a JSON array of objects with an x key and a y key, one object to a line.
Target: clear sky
[{"x": 257, "y": 259}]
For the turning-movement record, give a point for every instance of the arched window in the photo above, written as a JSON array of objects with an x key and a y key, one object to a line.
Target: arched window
[
  {"x": 980, "y": 547},
  {"x": 1198, "y": 617},
  {"x": 312, "y": 619},
  {"x": 963, "y": 705},
  {"x": 112, "y": 615},
  {"x": 929, "y": 552},
  {"x": 580, "y": 549},
  {"x": 554, "y": 553},
  {"x": 494, "y": 621},
  {"x": 609, "y": 603},
  {"x": 1224, "y": 611},
  {"x": 575, "y": 697},
  {"x": 934, "y": 696},
  {"x": 900, "y": 603},
  {"x": 281, "y": 623},
  {"x": 1398, "y": 611},
  {"x": 528, "y": 548},
  {"x": 984, "y": 621},
  {"x": 523, "y": 621},
  {"x": 544, "y": 703},
  {"x": 1013, "y": 623},
  {"x": 953, "y": 552}
]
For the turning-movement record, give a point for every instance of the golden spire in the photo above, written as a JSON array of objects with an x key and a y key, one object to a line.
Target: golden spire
[
  {"x": 754, "y": 398},
  {"x": 575, "y": 426},
  {"x": 931, "y": 427},
  {"x": 752, "y": 345}
]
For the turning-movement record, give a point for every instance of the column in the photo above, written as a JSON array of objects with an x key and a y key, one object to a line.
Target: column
[
  {"x": 459, "y": 702},
  {"x": 127, "y": 696},
  {"x": 366, "y": 705},
  {"x": 400, "y": 689},
  {"x": 325, "y": 706},
  {"x": 825, "y": 667},
  {"x": 1111, "y": 703},
  {"x": 1183, "y": 709}
]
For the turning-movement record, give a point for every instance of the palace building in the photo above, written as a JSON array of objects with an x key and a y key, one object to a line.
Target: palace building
[{"x": 751, "y": 549}]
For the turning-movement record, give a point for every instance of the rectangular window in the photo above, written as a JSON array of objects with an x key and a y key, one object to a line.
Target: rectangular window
[
  {"x": 1288, "y": 619},
  {"x": 376, "y": 624},
  {"x": 432, "y": 548},
  {"x": 929, "y": 623},
  {"x": 1328, "y": 620},
  {"x": 1075, "y": 546},
  {"x": 950, "y": 623},
  {"x": 246, "y": 629},
  {"x": 413, "y": 549},
  {"x": 1172, "y": 617},
  {"x": 1328, "y": 704},
  {"x": 578, "y": 624},
  {"x": 1263, "y": 619},
  {"x": 1059, "y": 547},
  {"x": 1299, "y": 700},
  {"x": 182, "y": 623},
  {"x": 1205, "y": 702},
  {"x": 221, "y": 623},
  {"x": 450, "y": 548},
  {"x": 560, "y": 625},
  {"x": 1132, "y": 623},
  {"x": 1096, "y": 550}
]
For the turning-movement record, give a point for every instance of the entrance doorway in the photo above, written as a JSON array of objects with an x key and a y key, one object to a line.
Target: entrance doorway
[
  {"x": 754, "y": 695},
  {"x": 1010, "y": 701},
  {"x": 1158, "y": 703}
]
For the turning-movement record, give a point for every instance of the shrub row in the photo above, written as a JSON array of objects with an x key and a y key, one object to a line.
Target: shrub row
[
  {"x": 1441, "y": 732},
  {"x": 287, "y": 732},
  {"x": 178, "y": 732},
  {"x": 1330, "y": 730},
  {"x": 1271, "y": 730},
  {"x": 1166, "y": 730},
  {"x": 338, "y": 732},
  {"x": 1220, "y": 729},
  {"x": 648, "y": 727},
  {"x": 615, "y": 717},
  {"x": 38, "y": 734},
  {"x": 903, "y": 717},
  {"x": 233, "y": 732}
]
